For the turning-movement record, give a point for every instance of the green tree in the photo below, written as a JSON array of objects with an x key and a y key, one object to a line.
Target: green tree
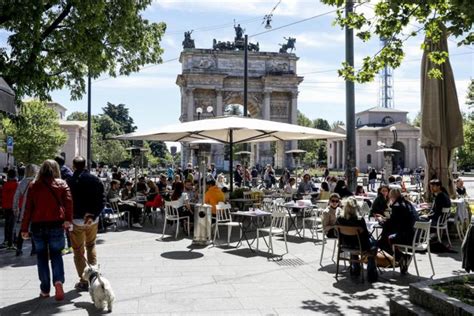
[
  {"x": 55, "y": 44},
  {"x": 36, "y": 133},
  {"x": 391, "y": 21},
  {"x": 321, "y": 124},
  {"x": 234, "y": 109},
  {"x": 417, "y": 120},
  {"x": 120, "y": 115},
  {"x": 77, "y": 116},
  {"x": 335, "y": 124},
  {"x": 158, "y": 149},
  {"x": 466, "y": 152}
]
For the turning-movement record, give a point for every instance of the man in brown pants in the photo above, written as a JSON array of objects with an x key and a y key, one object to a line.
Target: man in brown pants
[{"x": 89, "y": 200}]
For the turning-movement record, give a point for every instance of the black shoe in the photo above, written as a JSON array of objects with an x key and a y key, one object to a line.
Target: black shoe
[
  {"x": 372, "y": 276},
  {"x": 19, "y": 252},
  {"x": 82, "y": 286}
]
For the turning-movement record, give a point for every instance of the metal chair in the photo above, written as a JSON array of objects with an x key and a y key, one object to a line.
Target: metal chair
[
  {"x": 172, "y": 214},
  {"x": 421, "y": 242},
  {"x": 442, "y": 224},
  {"x": 314, "y": 219},
  {"x": 118, "y": 217},
  {"x": 224, "y": 218},
  {"x": 352, "y": 250},
  {"x": 277, "y": 227}
]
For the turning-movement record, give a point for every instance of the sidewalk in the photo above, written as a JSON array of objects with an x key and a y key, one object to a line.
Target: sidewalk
[{"x": 171, "y": 277}]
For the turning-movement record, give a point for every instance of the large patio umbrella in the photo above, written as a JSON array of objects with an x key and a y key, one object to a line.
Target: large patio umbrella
[
  {"x": 441, "y": 122},
  {"x": 7, "y": 98},
  {"x": 231, "y": 130}
]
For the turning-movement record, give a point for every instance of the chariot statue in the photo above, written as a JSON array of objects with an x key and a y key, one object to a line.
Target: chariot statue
[
  {"x": 188, "y": 42},
  {"x": 290, "y": 44}
]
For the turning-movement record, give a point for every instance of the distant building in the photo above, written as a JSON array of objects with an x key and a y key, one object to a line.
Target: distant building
[
  {"x": 374, "y": 125},
  {"x": 76, "y": 131}
]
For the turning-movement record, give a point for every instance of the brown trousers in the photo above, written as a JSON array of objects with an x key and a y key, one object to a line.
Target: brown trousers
[{"x": 82, "y": 240}]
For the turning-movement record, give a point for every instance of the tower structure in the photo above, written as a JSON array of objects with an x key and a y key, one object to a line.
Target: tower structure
[{"x": 386, "y": 99}]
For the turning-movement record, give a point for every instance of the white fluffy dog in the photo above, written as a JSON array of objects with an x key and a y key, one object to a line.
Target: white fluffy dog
[{"x": 99, "y": 288}]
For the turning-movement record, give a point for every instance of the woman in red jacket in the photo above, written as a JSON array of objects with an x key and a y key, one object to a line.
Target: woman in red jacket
[
  {"x": 49, "y": 211},
  {"x": 8, "y": 192}
]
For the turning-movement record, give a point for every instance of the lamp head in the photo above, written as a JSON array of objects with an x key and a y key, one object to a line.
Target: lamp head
[
  {"x": 209, "y": 109},
  {"x": 267, "y": 19},
  {"x": 393, "y": 128},
  {"x": 380, "y": 144},
  {"x": 199, "y": 110}
]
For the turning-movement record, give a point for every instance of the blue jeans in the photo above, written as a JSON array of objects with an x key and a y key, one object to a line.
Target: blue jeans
[{"x": 49, "y": 243}]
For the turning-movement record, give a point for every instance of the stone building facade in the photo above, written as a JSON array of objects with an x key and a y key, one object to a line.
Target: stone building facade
[
  {"x": 215, "y": 78},
  {"x": 374, "y": 125}
]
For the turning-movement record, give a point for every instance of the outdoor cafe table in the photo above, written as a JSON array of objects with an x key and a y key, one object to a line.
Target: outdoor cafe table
[
  {"x": 249, "y": 219},
  {"x": 290, "y": 207}
]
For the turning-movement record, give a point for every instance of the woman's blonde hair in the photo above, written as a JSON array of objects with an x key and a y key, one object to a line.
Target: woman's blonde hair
[
  {"x": 351, "y": 208},
  {"x": 31, "y": 170},
  {"x": 49, "y": 170}
]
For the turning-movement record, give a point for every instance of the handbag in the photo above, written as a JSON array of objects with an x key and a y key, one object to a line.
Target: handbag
[{"x": 62, "y": 211}]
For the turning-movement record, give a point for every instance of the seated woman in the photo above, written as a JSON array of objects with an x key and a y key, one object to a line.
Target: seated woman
[
  {"x": 460, "y": 189},
  {"x": 360, "y": 191},
  {"x": 324, "y": 193},
  {"x": 152, "y": 190},
  {"x": 289, "y": 186},
  {"x": 399, "y": 228},
  {"x": 128, "y": 199},
  {"x": 184, "y": 209},
  {"x": 329, "y": 215},
  {"x": 352, "y": 218},
  {"x": 380, "y": 204}
]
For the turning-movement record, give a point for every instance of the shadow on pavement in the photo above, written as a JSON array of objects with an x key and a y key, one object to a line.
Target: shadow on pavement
[
  {"x": 182, "y": 255},
  {"x": 39, "y": 306}
]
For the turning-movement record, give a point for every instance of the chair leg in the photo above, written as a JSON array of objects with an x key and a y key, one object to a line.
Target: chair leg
[
  {"x": 447, "y": 234},
  {"x": 189, "y": 232},
  {"x": 229, "y": 232},
  {"x": 286, "y": 244},
  {"x": 431, "y": 261},
  {"x": 337, "y": 262},
  {"x": 393, "y": 258},
  {"x": 334, "y": 250},
  {"x": 438, "y": 232},
  {"x": 416, "y": 265},
  {"x": 303, "y": 227},
  {"x": 164, "y": 229},
  {"x": 270, "y": 243},
  {"x": 215, "y": 232},
  {"x": 322, "y": 252},
  {"x": 177, "y": 229}
]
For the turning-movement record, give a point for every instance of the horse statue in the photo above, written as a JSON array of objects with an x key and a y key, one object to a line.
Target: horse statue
[
  {"x": 253, "y": 47},
  {"x": 188, "y": 41},
  {"x": 290, "y": 44}
]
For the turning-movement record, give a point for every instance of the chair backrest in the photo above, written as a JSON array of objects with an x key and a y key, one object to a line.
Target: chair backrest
[
  {"x": 171, "y": 209},
  {"x": 288, "y": 197},
  {"x": 247, "y": 194},
  {"x": 114, "y": 204},
  {"x": 307, "y": 197},
  {"x": 443, "y": 219},
  {"x": 278, "y": 219},
  {"x": 364, "y": 209},
  {"x": 267, "y": 204},
  {"x": 223, "y": 213},
  {"x": 349, "y": 231},
  {"x": 422, "y": 234}
]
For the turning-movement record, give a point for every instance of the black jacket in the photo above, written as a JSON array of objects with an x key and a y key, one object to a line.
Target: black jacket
[{"x": 87, "y": 194}]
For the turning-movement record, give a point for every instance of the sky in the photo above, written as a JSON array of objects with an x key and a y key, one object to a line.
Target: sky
[{"x": 154, "y": 98}]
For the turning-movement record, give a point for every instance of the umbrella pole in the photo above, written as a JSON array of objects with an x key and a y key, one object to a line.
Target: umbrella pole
[{"x": 231, "y": 159}]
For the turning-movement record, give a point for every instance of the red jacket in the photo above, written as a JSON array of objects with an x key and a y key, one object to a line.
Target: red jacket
[
  {"x": 8, "y": 192},
  {"x": 42, "y": 206}
]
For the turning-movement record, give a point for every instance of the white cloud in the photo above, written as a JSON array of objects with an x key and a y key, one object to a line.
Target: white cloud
[
  {"x": 138, "y": 82},
  {"x": 319, "y": 39}
]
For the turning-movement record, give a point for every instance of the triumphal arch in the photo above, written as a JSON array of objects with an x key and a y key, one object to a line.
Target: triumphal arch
[{"x": 215, "y": 78}]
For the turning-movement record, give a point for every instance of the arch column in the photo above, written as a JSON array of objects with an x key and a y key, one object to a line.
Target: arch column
[
  {"x": 219, "y": 106},
  {"x": 190, "y": 105}
]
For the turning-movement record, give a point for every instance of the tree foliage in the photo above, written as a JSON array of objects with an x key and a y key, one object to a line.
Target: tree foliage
[
  {"x": 391, "y": 21},
  {"x": 315, "y": 149},
  {"x": 466, "y": 152},
  {"x": 36, "y": 133},
  {"x": 119, "y": 114},
  {"x": 55, "y": 44}
]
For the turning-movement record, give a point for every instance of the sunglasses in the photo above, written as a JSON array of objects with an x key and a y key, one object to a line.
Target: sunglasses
[{"x": 334, "y": 201}]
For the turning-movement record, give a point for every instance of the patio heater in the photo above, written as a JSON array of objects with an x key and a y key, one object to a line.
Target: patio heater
[
  {"x": 202, "y": 211},
  {"x": 297, "y": 154}
]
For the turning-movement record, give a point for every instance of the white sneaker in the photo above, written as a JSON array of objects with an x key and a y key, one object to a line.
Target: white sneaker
[{"x": 137, "y": 225}]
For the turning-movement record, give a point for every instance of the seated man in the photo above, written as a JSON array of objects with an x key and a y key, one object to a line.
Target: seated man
[
  {"x": 441, "y": 201},
  {"x": 190, "y": 191},
  {"x": 213, "y": 196},
  {"x": 305, "y": 186}
]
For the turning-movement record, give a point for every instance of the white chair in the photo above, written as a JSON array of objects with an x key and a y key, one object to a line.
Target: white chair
[
  {"x": 277, "y": 227},
  {"x": 315, "y": 221},
  {"x": 118, "y": 217},
  {"x": 460, "y": 219},
  {"x": 224, "y": 218},
  {"x": 288, "y": 197},
  {"x": 442, "y": 224},
  {"x": 267, "y": 205},
  {"x": 421, "y": 242},
  {"x": 325, "y": 240},
  {"x": 172, "y": 214}
]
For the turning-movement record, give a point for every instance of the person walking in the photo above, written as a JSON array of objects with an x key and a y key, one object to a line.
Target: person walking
[
  {"x": 8, "y": 192},
  {"x": 48, "y": 211},
  {"x": 19, "y": 204},
  {"x": 89, "y": 200},
  {"x": 66, "y": 173}
]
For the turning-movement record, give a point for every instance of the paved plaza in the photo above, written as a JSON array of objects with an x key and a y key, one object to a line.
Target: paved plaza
[{"x": 171, "y": 277}]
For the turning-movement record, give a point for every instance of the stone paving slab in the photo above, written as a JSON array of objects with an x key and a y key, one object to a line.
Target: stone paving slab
[{"x": 151, "y": 276}]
